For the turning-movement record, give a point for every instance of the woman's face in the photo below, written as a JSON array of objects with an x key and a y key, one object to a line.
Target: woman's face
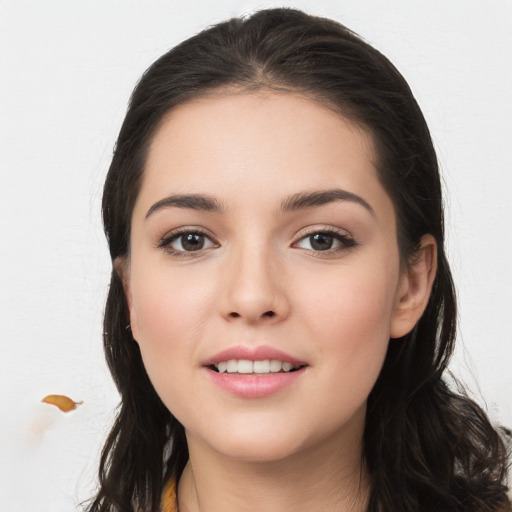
[{"x": 264, "y": 277}]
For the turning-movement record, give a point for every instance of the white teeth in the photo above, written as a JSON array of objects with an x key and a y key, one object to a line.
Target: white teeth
[
  {"x": 287, "y": 367},
  {"x": 232, "y": 366},
  {"x": 245, "y": 366},
  {"x": 275, "y": 366},
  {"x": 260, "y": 367}
]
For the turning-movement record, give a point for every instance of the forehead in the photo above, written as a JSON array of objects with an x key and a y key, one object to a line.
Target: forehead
[{"x": 239, "y": 144}]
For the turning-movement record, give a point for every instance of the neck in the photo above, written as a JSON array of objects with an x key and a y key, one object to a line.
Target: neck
[{"x": 330, "y": 477}]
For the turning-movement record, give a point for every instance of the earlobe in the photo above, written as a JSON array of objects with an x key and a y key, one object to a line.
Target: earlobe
[
  {"x": 122, "y": 267},
  {"x": 414, "y": 288}
]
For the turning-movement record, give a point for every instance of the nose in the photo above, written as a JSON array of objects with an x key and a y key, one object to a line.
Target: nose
[{"x": 254, "y": 288}]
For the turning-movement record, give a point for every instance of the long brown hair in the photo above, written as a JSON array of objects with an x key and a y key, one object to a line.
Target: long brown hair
[{"x": 426, "y": 446}]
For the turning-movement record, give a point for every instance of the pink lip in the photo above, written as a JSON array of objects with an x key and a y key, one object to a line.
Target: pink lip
[
  {"x": 253, "y": 385},
  {"x": 260, "y": 353}
]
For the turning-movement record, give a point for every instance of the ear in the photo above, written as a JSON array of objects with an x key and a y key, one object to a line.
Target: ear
[
  {"x": 414, "y": 288},
  {"x": 122, "y": 267}
]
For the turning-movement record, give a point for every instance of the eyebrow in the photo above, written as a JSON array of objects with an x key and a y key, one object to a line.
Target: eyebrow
[
  {"x": 299, "y": 201},
  {"x": 319, "y": 198},
  {"x": 191, "y": 201}
]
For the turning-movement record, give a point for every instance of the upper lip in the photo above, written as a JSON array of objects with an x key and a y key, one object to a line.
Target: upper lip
[{"x": 259, "y": 353}]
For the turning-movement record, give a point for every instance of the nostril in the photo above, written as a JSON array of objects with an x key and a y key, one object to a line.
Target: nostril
[{"x": 268, "y": 314}]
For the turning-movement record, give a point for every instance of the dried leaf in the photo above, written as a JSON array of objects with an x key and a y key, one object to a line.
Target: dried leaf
[{"x": 64, "y": 403}]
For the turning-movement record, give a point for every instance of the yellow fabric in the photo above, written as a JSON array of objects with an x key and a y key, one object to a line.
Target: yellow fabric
[{"x": 169, "y": 497}]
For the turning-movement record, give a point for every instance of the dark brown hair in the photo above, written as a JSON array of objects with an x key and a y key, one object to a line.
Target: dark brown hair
[{"x": 426, "y": 446}]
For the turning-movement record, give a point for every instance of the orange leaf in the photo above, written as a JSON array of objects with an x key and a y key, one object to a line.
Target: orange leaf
[{"x": 64, "y": 403}]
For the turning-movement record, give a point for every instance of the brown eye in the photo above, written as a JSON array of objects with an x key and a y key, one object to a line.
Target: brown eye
[
  {"x": 321, "y": 241},
  {"x": 186, "y": 242},
  {"x": 331, "y": 241},
  {"x": 191, "y": 241}
]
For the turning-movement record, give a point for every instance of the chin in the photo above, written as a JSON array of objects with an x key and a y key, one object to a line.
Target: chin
[
  {"x": 260, "y": 451},
  {"x": 266, "y": 443}
]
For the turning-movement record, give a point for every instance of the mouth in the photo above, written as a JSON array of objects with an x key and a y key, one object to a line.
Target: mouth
[
  {"x": 258, "y": 367},
  {"x": 255, "y": 372}
]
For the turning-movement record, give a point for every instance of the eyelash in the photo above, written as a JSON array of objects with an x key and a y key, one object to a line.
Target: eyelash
[
  {"x": 169, "y": 238},
  {"x": 346, "y": 241}
]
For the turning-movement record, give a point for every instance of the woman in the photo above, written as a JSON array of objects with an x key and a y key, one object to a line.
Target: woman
[{"x": 281, "y": 310}]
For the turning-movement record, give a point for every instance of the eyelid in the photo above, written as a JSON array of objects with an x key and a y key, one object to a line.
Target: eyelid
[
  {"x": 321, "y": 228},
  {"x": 341, "y": 235},
  {"x": 165, "y": 241}
]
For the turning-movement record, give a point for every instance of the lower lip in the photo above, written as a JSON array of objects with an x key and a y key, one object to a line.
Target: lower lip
[{"x": 253, "y": 385}]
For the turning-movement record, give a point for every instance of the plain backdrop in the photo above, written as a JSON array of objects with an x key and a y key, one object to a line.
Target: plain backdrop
[{"x": 66, "y": 71}]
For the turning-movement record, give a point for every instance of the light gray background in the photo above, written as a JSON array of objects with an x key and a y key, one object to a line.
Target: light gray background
[{"x": 66, "y": 70}]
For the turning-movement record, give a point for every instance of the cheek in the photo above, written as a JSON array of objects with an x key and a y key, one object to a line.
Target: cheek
[
  {"x": 348, "y": 316},
  {"x": 350, "y": 300},
  {"x": 170, "y": 310}
]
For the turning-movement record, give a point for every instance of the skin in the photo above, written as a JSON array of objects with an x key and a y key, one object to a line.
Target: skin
[{"x": 333, "y": 309}]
